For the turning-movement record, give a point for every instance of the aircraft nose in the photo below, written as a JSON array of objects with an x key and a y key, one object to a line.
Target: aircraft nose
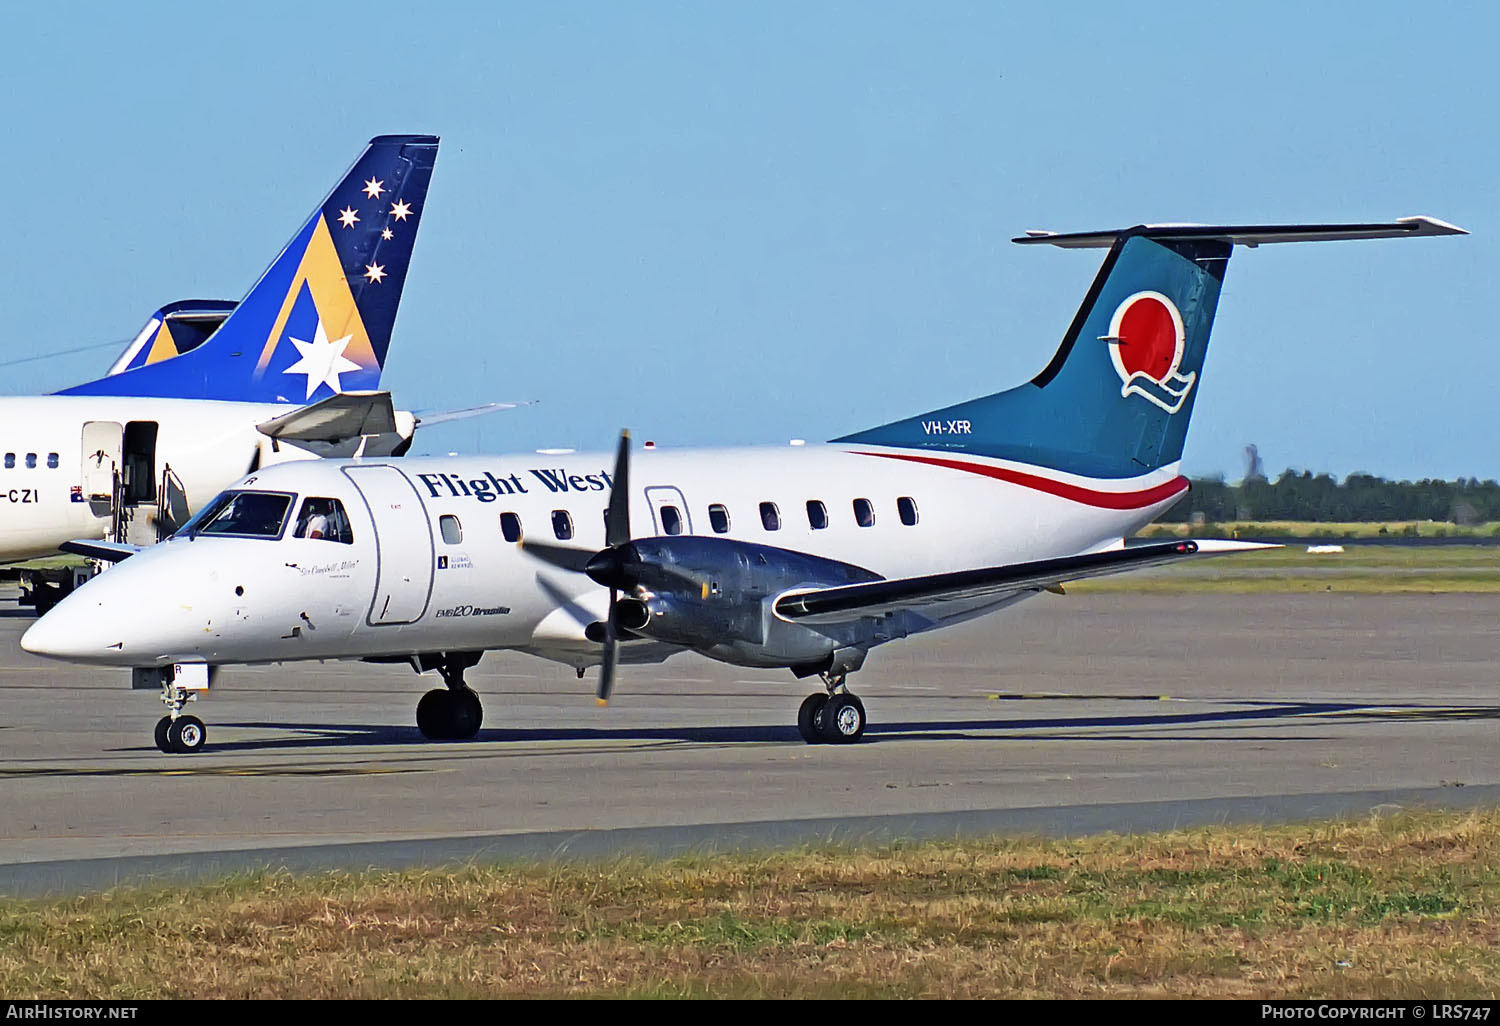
[{"x": 68, "y": 631}]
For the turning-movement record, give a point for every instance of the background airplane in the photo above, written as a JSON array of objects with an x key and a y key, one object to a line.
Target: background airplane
[
  {"x": 803, "y": 557},
  {"x": 210, "y": 389}
]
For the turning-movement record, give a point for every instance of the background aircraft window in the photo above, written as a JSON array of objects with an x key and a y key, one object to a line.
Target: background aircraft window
[
  {"x": 817, "y": 514},
  {"x": 718, "y": 518},
  {"x": 245, "y": 514},
  {"x": 562, "y": 524},
  {"x": 770, "y": 516},
  {"x": 671, "y": 520},
  {"x": 31, "y": 461},
  {"x": 325, "y": 519},
  {"x": 907, "y": 507},
  {"x": 10, "y": 461},
  {"x": 52, "y": 461},
  {"x": 864, "y": 513},
  {"x": 453, "y": 531},
  {"x": 510, "y": 527}
]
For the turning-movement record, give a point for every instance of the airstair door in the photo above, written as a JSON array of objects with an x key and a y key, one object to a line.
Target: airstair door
[
  {"x": 403, "y": 542},
  {"x": 103, "y": 446}
]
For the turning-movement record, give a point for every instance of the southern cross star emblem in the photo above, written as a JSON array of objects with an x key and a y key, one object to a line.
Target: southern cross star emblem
[
  {"x": 373, "y": 188},
  {"x": 348, "y": 216},
  {"x": 375, "y": 272},
  {"x": 400, "y": 210},
  {"x": 322, "y": 361}
]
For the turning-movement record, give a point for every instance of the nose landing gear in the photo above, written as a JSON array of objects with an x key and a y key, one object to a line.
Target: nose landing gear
[
  {"x": 837, "y": 717},
  {"x": 175, "y": 733}
]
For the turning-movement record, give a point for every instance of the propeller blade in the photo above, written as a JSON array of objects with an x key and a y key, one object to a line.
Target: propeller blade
[
  {"x": 565, "y": 557},
  {"x": 617, "y": 521},
  {"x": 611, "y": 653}
]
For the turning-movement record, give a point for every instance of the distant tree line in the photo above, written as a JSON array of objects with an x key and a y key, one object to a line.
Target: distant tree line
[{"x": 1320, "y": 497}]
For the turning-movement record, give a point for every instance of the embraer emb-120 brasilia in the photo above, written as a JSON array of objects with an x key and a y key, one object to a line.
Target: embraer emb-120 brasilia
[{"x": 804, "y": 557}]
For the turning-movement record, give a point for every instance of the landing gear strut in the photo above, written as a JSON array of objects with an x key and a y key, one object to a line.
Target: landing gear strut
[
  {"x": 454, "y": 713},
  {"x": 837, "y": 717}
]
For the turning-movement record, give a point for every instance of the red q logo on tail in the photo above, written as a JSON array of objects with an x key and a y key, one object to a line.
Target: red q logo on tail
[{"x": 1145, "y": 343}]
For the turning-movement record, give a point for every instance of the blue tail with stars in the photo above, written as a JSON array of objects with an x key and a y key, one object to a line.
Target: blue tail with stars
[{"x": 319, "y": 319}]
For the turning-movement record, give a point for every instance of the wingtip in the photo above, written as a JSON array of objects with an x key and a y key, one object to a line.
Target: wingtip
[{"x": 1434, "y": 225}]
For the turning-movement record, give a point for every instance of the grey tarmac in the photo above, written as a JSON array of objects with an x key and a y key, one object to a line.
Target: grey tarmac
[{"x": 1065, "y": 715}]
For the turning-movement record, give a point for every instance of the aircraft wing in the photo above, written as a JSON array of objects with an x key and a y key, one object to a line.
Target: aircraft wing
[
  {"x": 335, "y": 419},
  {"x": 877, "y": 598},
  {"x": 93, "y": 548},
  {"x": 426, "y": 418}
]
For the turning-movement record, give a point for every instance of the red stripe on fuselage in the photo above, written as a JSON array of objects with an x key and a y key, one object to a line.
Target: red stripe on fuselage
[{"x": 1087, "y": 496}]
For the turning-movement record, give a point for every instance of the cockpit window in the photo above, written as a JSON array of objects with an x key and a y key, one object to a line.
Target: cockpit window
[
  {"x": 242, "y": 514},
  {"x": 323, "y": 518}
]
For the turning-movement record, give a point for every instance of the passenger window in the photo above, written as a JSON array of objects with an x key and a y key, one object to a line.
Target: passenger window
[
  {"x": 817, "y": 515},
  {"x": 453, "y": 531},
  {"x": 718, "y": 518},
  {"x": 10, "y": 461},
  {"x": 325, "y": 519},
  {"x": 770, "y": 516},
  {"x": 31, "y": 461},
  {"x": 864, "y": 513},
  {"x": 907, "y": 507},
  {"x": 562, "y": 524},
  {"x": 671, "y": 520},
  {"x": 510, "y": 527},
  {"x": 52, "y": 461}
]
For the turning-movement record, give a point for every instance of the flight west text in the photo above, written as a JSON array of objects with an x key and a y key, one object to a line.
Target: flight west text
[{"x": 490, "y": 487}]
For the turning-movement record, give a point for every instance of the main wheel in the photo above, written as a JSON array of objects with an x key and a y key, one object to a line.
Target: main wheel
[
  {"x": 432, "y": 715},
  {"x": 843, "y": 719},
  {"x": 807, "y": 717},
  {"x": 186, "y": 734},
  {"x": 162, "y": 726},
  {"x": 465, "y": 714}
]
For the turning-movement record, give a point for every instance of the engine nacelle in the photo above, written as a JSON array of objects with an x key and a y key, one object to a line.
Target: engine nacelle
[{"x": 714, "y": 595}]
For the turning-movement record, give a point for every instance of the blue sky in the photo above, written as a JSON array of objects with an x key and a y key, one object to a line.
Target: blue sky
[{"x": 746, "y": 222}]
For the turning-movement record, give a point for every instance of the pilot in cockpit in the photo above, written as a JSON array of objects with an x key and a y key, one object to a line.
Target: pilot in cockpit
[{"x": 323, "y": 518}]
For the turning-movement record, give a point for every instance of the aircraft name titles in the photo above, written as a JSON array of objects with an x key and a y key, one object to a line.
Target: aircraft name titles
[{"x": 490, "y": 487}]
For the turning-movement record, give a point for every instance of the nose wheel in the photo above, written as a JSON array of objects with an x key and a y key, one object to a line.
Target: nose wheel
[
  {"x": 836, "y": 718},
  {"x": 181, "y": 736}
]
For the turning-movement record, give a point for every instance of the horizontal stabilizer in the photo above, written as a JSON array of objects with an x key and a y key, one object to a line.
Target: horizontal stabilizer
[
  {"x": 92, "y": 548},
  {"x": 877, "y": 598},
  {"x": 335, "y": 419},
  {"x": 429, "y": 417},
  {"x": 1250, "y": 235}
]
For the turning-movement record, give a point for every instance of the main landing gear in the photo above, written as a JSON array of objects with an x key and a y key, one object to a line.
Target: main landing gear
[
  {"x": 836, "y": 718},
  {"x": 454, "y": 713}
]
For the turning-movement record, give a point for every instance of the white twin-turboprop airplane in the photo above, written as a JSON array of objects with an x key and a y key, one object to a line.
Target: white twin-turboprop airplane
[
  {"x": 210, "y": 390},
  {"x": 804, "y": 557}
]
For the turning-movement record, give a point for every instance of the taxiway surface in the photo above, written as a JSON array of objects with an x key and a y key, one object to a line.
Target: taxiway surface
[{"x": 1103, "y": 711}]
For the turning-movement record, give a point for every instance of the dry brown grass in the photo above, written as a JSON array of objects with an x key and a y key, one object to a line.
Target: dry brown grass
[{"x": 1399, "y": 908}]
